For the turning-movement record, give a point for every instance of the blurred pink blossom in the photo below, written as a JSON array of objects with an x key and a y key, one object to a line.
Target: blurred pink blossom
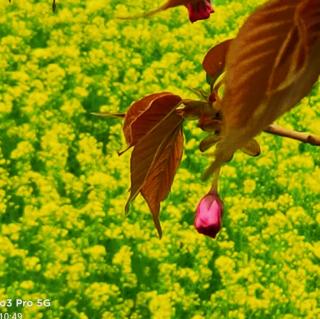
[
  {"x": 199, "y": 10},
  {"x": 209, "y": 212}
]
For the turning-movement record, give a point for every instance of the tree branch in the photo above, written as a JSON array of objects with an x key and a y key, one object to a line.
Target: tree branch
[{"x": 299, "y": 136}]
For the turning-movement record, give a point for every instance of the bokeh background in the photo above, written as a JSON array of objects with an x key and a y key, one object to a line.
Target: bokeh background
[{"x": 64, "y": 235}]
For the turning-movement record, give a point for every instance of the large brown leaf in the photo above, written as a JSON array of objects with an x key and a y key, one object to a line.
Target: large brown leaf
[
  {"x": 215, "y": 59},
  {"x": 149, "y": 150},
  {"x": 160, "y": 178},
  {"x": 271, "y": 65},
  {"x": 309, "y": 16},
  {"x": 252, "y": 58},
  {"x": 144, "y": 114}
]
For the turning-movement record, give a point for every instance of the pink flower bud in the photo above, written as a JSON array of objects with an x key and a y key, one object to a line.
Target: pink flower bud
[
  {"x": 209, "y": 215},
  {"x": 199, "y": 10}
]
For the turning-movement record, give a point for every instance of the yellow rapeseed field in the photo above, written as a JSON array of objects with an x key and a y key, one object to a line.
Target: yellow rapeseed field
[{"x": 66, "y": 247}]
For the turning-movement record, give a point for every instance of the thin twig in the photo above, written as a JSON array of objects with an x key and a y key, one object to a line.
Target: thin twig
[
  {"x": 299, "y": 136},
  {"x": 109, "y": 114},
  {"x": 215, "y": 180},
  {"x": 145, "y": 14}
]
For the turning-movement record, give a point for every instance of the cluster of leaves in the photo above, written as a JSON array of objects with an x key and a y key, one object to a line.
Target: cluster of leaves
[{"x": 268, "y": 68}]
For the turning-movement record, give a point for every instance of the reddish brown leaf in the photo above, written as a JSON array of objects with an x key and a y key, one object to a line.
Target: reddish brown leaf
[
  {"x": 149, "y": 149},
  {"x": 252, "y": 148},
  {"x": 208, "y": 142},
  {"x": 252, "y": 57},
  {"x": 289, "y": 63},
  {"x": 160, "y": 178},
  {"x": 293, "y": 56},
  {"x": 214, "y": 61},
  {"x": 144, "y": 114},
  {"x": 209, "y": 124},
  {"x": 309, "y": 17},
  {"x": 271, "y": 65}
]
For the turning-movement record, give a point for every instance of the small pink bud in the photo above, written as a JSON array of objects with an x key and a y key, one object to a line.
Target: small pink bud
[
  {"x": 199, "y": 10},
  {"x": 209, "y": 215}
]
